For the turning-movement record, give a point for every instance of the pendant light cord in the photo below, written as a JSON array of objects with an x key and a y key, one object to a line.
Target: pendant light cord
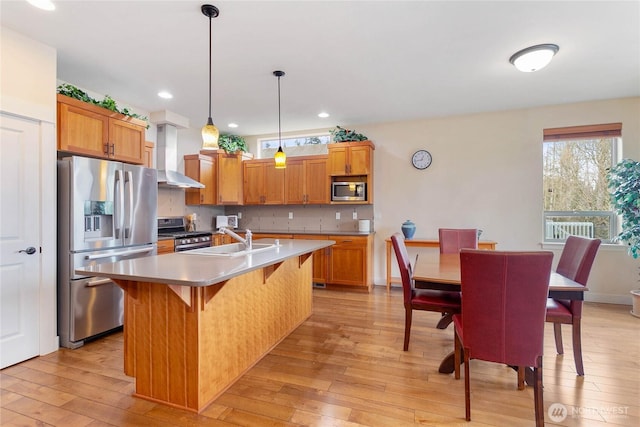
[
  {"x": 279, "y": 124},
  {"x": 209, "y": 66}
]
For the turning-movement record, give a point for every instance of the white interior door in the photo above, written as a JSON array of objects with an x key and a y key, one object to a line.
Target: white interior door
[{"x": 19, "y": 231}]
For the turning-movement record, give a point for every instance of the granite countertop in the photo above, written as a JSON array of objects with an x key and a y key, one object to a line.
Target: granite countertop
[{"x": 182, "y": 268}]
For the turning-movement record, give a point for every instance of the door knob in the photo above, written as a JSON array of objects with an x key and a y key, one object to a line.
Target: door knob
[{"x": 29, "y": 251}]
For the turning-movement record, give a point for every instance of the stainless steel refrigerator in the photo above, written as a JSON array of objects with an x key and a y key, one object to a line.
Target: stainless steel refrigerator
[{"x": 107, "y": 211}]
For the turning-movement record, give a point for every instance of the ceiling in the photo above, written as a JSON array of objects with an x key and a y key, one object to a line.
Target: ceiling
[{"x": 360, "y": 61}]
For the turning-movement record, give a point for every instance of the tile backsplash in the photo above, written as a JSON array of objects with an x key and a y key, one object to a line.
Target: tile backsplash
[{"x": 292, "y": 218}]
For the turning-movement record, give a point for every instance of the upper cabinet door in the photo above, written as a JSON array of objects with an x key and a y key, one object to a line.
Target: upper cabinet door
[
  {"x": 82, "y": 132},
  {"x": 359, "y": 160},
  {"x": 127, "y": 141},
  {"x": 229, "y": 178}
]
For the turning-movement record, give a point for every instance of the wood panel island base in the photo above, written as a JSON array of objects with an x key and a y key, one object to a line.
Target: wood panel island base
[{"x": 186, "y": 344}]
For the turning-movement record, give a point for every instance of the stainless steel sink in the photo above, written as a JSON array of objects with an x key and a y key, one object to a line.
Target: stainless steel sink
[{"x": 230, "y": 250}]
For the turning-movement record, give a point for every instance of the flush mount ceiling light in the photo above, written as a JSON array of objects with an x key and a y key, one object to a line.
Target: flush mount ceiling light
[
  {"x": 42, "y": 4},
  {"x": 534, "y": 58},
  {"x": 165, "y": 95},
  {"x": 323, "y": 115},
  {"x": 280, "y": 157},
  {"x": 210, "y": 133}
]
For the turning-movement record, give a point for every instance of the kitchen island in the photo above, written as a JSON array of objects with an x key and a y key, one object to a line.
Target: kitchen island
[{"x": 195, "y": 323}]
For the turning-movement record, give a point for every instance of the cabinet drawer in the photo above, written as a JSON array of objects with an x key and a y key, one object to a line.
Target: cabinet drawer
[{"x": 165, "y": 246}]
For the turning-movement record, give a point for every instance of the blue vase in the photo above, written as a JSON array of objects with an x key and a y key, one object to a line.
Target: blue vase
[{"x": 408, "y": 229}]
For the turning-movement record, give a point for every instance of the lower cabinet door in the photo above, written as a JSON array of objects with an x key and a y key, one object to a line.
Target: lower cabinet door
[{"x": 347, "y": 261}]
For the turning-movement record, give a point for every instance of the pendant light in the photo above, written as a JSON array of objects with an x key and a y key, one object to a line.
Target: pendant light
[
  {"x": 280, "y": 157},
  {"x": 210, "y": 133},
  {"x": 534, "y": 58}
]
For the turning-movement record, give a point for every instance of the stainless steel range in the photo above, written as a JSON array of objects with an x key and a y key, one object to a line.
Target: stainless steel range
[{"x": 176, "y": 228}]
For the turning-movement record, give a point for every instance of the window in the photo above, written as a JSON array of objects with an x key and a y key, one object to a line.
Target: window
[
  {"x": 576, "y": 198},
  {"x": 301, "y": 145}
]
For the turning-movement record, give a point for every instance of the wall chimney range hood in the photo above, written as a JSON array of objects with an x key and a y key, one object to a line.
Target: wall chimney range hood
[{"x": 167, "y": 158}]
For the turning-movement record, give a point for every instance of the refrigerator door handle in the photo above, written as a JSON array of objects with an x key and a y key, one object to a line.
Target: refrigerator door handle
[
  {"x": 118, "y": 197},
  {"x": 128, "y": 183},
  {"x": 121, "y": 253}
]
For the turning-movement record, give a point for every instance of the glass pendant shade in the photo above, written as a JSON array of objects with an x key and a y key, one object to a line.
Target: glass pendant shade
[
  {"x": 281, "y": 159},
  {"x": 210, "y": 136},
  {"x": 534, "y": 58}
]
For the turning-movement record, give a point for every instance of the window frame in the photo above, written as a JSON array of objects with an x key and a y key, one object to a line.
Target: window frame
[{"x": 611, "y": 131}]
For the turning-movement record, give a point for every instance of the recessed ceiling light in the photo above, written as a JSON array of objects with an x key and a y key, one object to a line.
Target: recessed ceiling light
[
  {"x": 42, "y": 4},
  {"x": 165, "y": 95},
  {"x": 323, "y": 115},
  {"x": 534, "y": 58},
  {"x": 233, "y": 125}
]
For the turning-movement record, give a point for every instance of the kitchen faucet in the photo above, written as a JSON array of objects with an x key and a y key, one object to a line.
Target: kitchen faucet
[{"x": 247, "y": 241}]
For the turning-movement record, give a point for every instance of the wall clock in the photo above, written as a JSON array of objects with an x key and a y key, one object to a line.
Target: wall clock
[{"x": 421, "y": 159}]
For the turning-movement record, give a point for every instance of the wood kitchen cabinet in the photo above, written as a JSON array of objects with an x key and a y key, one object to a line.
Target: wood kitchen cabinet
[
  {"x": 93, "y": 131},
  {"x": 307, "y": 181},
  {"x": 202, "y": 169},
  {"x": 221, "y": 174},
  {"x": 351, "y": 261},
  {"x": 148, "y": 154},
  {"x": 229, "y": 178},
  {"x": 263, "y": 183},
  {"x": 350, "y": 158}
]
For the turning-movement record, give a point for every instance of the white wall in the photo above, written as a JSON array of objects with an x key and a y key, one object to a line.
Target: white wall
[{"x": 28, "y": 89}]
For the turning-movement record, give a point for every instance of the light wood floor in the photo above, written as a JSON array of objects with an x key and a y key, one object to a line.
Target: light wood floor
[{"x": 345, "y": 367}]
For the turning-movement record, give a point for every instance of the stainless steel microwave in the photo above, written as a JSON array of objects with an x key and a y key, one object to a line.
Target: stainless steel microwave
[{"x": 348, "y": 191}]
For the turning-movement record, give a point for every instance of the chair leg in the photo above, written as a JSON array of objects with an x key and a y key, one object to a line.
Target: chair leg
[
  {"x": 537, "y": 393},
  {"x": 407, "y": 327},
  {"x": 467, "y": 387},
  {"x": 521, "y": 375},
  {"x": 445, "y": 320},
  {"x": 457, "y": 348},
  {"x": 557, "y": 332},
  {"x": 577, "y": 347}
]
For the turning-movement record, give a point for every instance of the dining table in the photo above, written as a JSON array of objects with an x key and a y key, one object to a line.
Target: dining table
[{"x": 442, "y": 272}]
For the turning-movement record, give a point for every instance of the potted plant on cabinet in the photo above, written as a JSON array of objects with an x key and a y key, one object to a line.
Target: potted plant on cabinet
[
  {"x": 340, "y": 134},
  {"x": 232, "y": 143},
  {"x": 624, "y": 185}
]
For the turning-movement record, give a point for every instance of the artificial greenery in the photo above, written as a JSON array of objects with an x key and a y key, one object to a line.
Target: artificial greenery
[
  {"x": 232, "y": 143},
  {"x": 340, "y": 134},
  {"x": 624, "y": 186},
  {"x": 108, "y": 102}
]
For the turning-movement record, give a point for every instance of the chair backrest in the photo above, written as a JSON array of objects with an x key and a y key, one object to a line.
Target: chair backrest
[
  {"x": 454, "y": 239},
  {"x": 400, "y": 249},
  {"x": 504, "y": 296},
  {"x": 577, "y": 258},
  {"x": 575, "y": 263}
]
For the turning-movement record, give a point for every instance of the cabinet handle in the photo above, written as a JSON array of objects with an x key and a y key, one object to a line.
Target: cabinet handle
[
  {"x": 106, "y": 149},
  {"x": 113, "y": 149},
  {"x": 202, "y": 198}
]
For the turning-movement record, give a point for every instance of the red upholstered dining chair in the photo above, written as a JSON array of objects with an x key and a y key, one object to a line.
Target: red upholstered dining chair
[
  {"x": 451, "y": 240},
  {"x": 454, "y": 239},
  {"x": 419, "y": 299},
  {"x": 575, "y": 263},
  {"x": 503, "y": 309}
]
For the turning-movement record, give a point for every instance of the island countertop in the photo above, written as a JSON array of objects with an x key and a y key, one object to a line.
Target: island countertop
[{"x": 182, "y": 268}]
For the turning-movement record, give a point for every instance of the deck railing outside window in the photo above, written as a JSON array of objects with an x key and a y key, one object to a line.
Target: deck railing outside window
[{"x": 560, "y": 225}]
